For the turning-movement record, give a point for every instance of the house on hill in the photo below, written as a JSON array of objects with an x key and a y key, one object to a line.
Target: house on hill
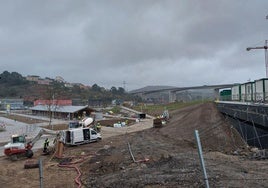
[{"x": 32, "y": 78}]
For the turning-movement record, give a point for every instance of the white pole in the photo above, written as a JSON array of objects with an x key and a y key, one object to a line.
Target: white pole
[
  {"x": 266, "y": 58},
  {"x": 41, "y": 173},
  {"x": 201, "y": 158}
]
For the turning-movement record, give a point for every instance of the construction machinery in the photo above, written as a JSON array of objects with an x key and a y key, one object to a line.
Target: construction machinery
[
  {"x": 80, "y": 124},
  {"x": 77, "y": 134},
  {"x": 80, "y": 132},
  {"x": 19, "y": 146},
  {"x": 161, "y": 120}
]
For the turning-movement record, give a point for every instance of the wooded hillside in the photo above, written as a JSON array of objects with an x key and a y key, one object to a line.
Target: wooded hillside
[{"x": 14, "y": 85}]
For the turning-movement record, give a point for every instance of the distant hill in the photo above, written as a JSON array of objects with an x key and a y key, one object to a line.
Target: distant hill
[{"x": 14, "y": 85}]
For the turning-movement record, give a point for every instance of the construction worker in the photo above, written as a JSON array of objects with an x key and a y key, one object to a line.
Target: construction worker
[
  {"x": 46, "y": 144},
  {"x": 98, "y": 127}
]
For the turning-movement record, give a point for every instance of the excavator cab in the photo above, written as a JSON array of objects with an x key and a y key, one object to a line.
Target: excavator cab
[{"x": 18, "y": 138}]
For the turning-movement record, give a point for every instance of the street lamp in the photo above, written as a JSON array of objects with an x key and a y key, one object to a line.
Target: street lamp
[{"x": 265, "y": 51}]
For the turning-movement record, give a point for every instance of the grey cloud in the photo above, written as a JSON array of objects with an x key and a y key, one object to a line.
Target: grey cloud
[{"x": 140, "y": 42}]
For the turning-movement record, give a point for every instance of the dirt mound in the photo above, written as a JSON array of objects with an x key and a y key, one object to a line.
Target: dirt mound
[{"x": 215, "y": 132}]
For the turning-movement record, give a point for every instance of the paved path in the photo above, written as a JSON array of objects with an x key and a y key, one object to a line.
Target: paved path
[
  {"x": 135, "y": 111},
  {"x": 31, "y": 130},
  {"x": 107, "y": 132}
]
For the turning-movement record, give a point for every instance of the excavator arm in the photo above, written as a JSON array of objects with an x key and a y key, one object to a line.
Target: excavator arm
[{"x": 40, "y": 134}]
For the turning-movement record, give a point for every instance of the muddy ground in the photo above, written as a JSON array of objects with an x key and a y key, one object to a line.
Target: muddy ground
[{"x": 161, "y": 157}]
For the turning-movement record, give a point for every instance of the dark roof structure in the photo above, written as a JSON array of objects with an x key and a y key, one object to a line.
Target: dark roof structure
[
  {"x": 69, "y": 112},
  {"x": 64, "y": 109}
]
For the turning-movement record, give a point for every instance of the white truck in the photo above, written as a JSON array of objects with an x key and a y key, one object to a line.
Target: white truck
[
  {"x": 79, "y": 136},
  {"x": 83, "y": 123},
  {"x": 80, "y": 133}
]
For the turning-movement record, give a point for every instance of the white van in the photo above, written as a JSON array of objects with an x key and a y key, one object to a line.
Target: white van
[{"x": 80, "y": 136}]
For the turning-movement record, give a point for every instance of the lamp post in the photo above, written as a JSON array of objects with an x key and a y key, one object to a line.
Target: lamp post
[{"x": 265, "y": 51}]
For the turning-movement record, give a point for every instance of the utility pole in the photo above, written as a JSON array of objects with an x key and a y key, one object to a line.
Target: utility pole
[
  {"x": 265, "y": 51},
  {"x": 124, "y": 85}
]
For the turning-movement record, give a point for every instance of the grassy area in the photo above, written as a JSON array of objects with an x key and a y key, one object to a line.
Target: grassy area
[
  {"x": 158, "y": 109},
  {"x": 115, "y": 110}
]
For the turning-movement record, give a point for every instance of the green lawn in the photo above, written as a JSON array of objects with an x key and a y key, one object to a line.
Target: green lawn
[{"x": 158, "y": 109}]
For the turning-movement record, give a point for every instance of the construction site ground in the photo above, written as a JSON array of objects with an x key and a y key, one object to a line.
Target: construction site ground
[{"x": 162, "y": 157}]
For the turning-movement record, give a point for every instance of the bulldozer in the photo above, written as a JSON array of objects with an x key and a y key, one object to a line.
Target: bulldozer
[{"x": 20, "y": 147}]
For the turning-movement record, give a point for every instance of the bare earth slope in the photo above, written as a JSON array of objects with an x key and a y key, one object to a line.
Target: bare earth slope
[
  {"x": 164, "y": 157},
  {"x": 171, "y": 150}
]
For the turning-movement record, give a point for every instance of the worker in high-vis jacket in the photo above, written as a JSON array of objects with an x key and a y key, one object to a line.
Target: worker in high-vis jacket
[
  {"x": 46, "y": 144},
  {"x": 98, "y": 127}
]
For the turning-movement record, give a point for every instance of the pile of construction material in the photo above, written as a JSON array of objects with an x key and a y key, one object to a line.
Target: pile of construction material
[{"x": 2, "y": 126}]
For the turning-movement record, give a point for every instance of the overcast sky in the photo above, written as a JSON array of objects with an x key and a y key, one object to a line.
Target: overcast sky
[{"x": 139, "y": 42}]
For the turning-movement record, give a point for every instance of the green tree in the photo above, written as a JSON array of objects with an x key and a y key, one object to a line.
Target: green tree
[
  {"x": 13, "y": 78},
  {"x": 113, "y": 90},
  {"x": 95, "y": 87},
  {"x": 121, "y": 91}
]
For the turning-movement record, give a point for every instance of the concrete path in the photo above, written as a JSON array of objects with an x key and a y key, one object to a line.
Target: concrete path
[
  {"x": 31, "y": 130},
  {"x": 135, "y": 111}
]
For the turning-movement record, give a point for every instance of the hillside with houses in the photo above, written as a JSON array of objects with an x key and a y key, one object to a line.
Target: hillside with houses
[{"x": 18, "y": 91}]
